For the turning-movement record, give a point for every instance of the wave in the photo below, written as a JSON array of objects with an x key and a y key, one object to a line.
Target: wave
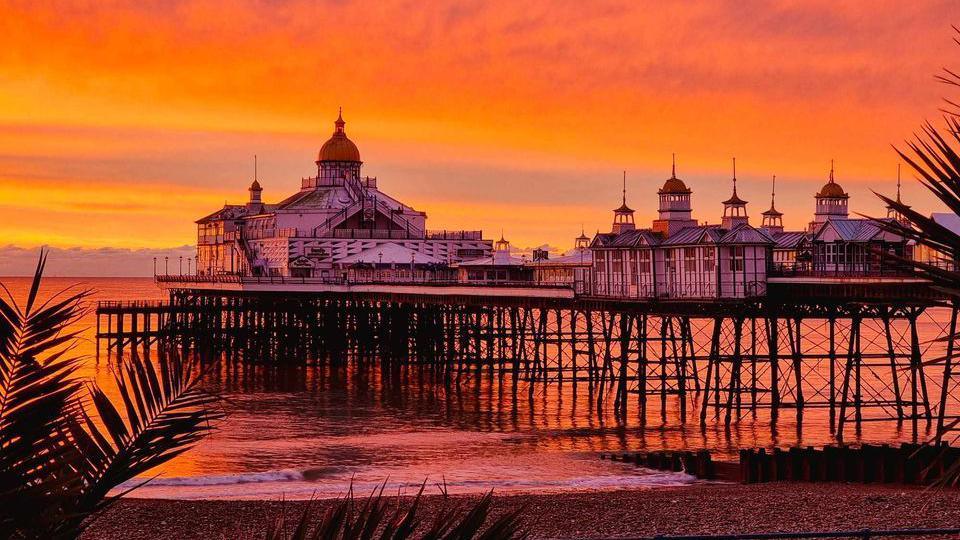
[
  {"x": 287, "y": 475},
  {"x": 336, "y": 485}
]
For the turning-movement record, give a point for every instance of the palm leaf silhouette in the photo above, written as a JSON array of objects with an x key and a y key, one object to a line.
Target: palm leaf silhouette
[{"x": 63, "y": 443}]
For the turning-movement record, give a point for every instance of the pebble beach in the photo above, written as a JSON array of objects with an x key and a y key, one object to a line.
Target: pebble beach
[{"x": 696, "y": 509}]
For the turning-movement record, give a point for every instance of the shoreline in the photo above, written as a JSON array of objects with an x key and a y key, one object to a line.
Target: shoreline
[{"x": 703, "y": 508}]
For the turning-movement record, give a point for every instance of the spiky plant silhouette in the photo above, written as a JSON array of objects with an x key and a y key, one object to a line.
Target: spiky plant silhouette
[
  {"x": 370, "y": 518},
  {"x": 63, "y": 443},
  {"x": 934, "y": 156}
]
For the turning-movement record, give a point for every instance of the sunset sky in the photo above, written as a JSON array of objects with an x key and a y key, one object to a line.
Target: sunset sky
[{"x": 123, "y": 122}]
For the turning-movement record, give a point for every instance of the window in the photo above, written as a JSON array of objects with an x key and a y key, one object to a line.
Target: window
[
  {"x": 708, "y": 261},
  {"x": 690, "y": 259},
  {"x": 644, "y": 264},
  {"x": 736, "y": 259}
]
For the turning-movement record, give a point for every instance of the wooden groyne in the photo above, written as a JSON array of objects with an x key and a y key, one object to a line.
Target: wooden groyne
[{"x": 905, "y": 464}]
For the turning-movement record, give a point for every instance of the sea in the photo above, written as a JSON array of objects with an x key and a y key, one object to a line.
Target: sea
[{"x": 297, "y": 432}]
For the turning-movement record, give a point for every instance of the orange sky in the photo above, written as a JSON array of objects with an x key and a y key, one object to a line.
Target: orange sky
[{"x": 123, "y": 122}]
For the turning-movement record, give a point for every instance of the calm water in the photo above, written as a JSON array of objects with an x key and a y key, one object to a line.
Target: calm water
[{"x": 310, "y": 431}]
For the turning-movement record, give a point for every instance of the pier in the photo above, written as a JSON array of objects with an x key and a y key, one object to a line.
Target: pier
[{"x": 845, "y": 345}]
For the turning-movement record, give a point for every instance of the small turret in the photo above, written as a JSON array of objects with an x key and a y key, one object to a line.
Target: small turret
[
  {"x": 734, "y": 208},
  {"x": 582, "y": 241},
  {"x": 832, "y": 202},
  {"x": 772, "y": 218},
  {"x": 674, "y": 211},
  {"x": 255, "y": 204},
  {"x": 892, "y": 212},
  {"x": 623, "y": 216}
]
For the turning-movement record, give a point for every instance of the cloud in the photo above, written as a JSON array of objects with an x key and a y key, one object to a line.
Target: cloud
[{"x": 87, "y": 262}]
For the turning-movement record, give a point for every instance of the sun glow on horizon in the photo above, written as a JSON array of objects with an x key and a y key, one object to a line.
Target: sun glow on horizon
[{"x": 126, "y": 125}]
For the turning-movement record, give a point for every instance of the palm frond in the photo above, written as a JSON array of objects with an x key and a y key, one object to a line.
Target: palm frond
[
  {"x": 164, "y": 413},
  {"x": 62, "y": 449}
]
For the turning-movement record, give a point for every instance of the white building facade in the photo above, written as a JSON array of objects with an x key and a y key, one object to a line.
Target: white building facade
[
  {"x": 336, "y": 216},
  {"x": 677, "y": 258}
]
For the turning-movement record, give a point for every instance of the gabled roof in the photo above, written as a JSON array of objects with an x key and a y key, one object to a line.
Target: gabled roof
[
  {"x": 229, "y": 211},
  {"x": 699, "y": 234},
  {"x": 499, "y": 258},
  {"x": 575, "y": 256},
  {"x": 789, "y": 239},
  {"x": 852, "y": 229},
  {"x": 746, "y": 234},
  {"x": 389, "y": 253},
  {"x": 631, "y": 238}
]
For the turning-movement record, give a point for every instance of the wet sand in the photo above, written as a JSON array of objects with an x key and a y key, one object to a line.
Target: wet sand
[{"x": 696, "y": 509}]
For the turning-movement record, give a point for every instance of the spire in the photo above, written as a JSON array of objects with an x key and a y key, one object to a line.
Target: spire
[
  {"x": 624, "y": 188},
  {"x": 339, "y": 123},
  {"x": 673, "y": 168},
  {"x": 773, "y": 194},
  {"x": 255, "y": 186},
  {"x": 734, "y": 199},
  {"x": 831, "y": 171},
  {"x": 898, "y": 182},
  {"x": 734, "y": 177}
]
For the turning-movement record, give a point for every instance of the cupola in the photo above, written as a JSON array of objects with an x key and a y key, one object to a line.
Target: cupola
[
  {"x": 772, "y": 218},
  {"x": 734, "y": 208},
  {"x": 623, "y": 216},
  {"x": 831, "y": 202},
  {"x": 674, "y": 211}
]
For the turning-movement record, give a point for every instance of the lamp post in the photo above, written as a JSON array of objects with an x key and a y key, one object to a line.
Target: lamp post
[
  {"x": 181, "y": 266},
  {"x": 154, "y": 267},
  {"x": 189, "y": 260},
  {"x": 166, "y": 265}
]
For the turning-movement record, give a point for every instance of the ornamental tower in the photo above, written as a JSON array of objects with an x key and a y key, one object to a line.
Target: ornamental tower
[
  {"x": 892, "y": 212},
  {"x": 338, "y": 159},
  {"x": 623, "y": 216},
  {"x": 773, "y": 219},
  {"x": 734, "y": 208},
  {"x": 831, "y": 203},
  {"x": 674, "y": 211},
  {"x": 255, "y": 204}
]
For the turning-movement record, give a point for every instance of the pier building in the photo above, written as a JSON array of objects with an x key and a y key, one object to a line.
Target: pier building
[
  {"x": 849, "y": 246},
  {"x": 337, "y": 219},
  {"x": 678, "y": 258}
]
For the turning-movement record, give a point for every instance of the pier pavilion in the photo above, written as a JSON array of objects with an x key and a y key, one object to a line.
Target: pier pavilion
[{"x": 338, "y": 218}]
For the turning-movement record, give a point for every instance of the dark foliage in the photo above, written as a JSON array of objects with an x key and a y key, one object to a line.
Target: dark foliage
[{"x": 63, "y": 443}]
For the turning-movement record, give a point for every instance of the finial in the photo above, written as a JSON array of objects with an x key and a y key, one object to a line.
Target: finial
[
  {"x": 898, "y": 182},
  {"x": 673, "y": 168},
  {"x": 773, "y": 192},
  {"x": 624, "y": 188},
  {"x": 255, "y": 167},
  {"x": 831, "y": 171},
  {"x": 734, "y": 176}
]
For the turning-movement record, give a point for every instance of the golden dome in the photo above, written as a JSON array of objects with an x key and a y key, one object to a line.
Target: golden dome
[
  {"x": 832, "y": 190},
  {"x": 674, "y": 185},
  {"x": 339, "y": 147}
]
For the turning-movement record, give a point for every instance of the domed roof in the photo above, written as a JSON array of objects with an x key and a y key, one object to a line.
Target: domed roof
[
  {"x": 674, "y": 185},
  {"x": 832, "y": 190},
  {"x": 255, "y": 186},
  {"x": 339, "y": 147}
]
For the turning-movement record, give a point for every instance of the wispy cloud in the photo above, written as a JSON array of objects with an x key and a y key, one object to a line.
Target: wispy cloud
[
  {"x": 531, "y": 107},
  {"x": 87, "y": 262}
]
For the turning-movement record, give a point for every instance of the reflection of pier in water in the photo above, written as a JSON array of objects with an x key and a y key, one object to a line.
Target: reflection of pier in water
[{"x": 716, "y": 362}]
